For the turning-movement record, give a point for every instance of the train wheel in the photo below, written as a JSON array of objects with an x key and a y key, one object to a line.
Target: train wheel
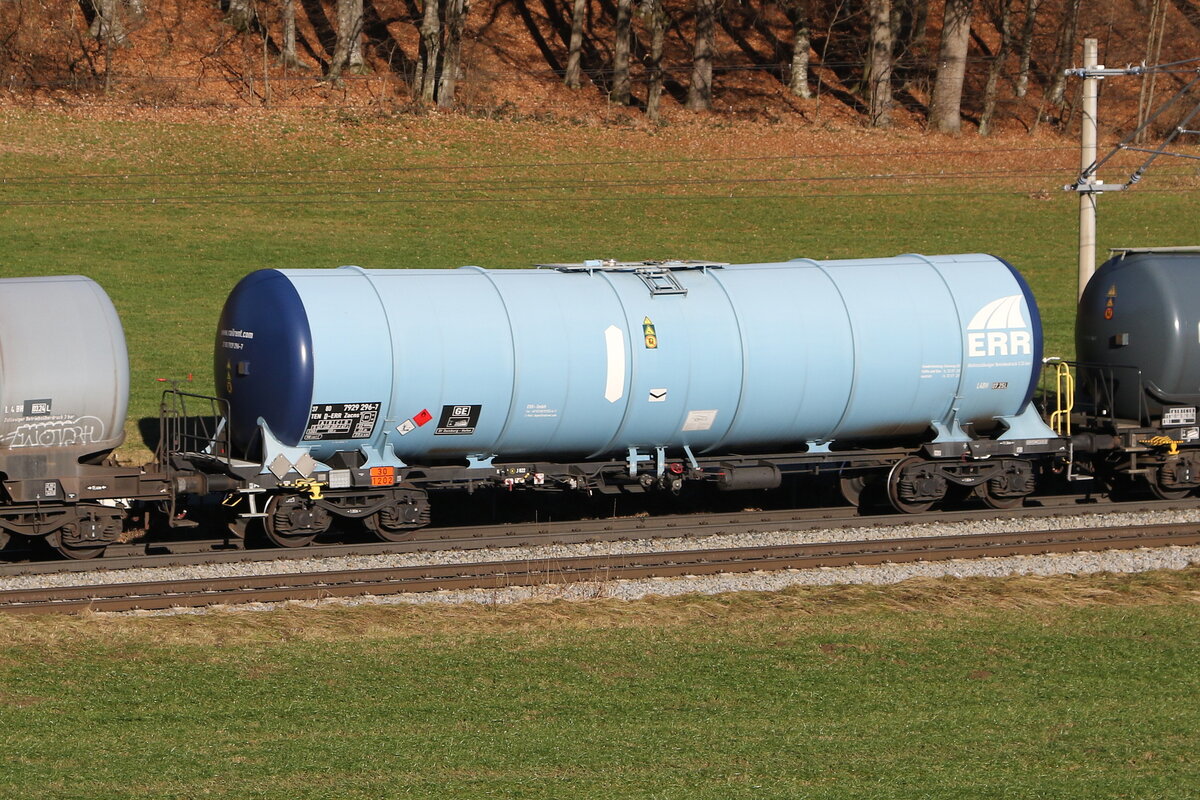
[
  {"x": 913, "y": 486},
  {"x": 1009, "y": 487},
  {"x": 992, "y": 500},
  {"x": 1162, "y": 492},
  {"x": 385, "y": 533},
  {"x": 851, "y": 487},
  {"x": 87, "y": 534},
  {"x": 1173, "y": 480},
  {"x": 79, "y": 553},
  {"x": 291, "y": 522},
  {"x": 396, "y": 522}
]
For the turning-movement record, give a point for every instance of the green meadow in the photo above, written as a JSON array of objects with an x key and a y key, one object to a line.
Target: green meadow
[{"x": 1030, "y": 688}]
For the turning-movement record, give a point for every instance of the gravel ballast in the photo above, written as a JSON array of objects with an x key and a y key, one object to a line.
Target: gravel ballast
[{"x": 1051, "y": 564}]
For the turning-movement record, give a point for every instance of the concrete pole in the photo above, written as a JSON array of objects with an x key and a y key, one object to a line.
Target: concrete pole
[{"x": 1087, "y": 200}]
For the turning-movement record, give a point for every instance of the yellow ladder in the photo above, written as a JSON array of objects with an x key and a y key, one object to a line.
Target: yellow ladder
[{"x": 1064, "y": 399}]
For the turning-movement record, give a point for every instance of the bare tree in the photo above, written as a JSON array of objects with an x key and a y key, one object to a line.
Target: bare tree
[
  {"x": 288, "y": 56},
  {"x": 700, "y": 90},
  {"x": 241, "y": 14},
  {"x": 879, "y": 64},
  {"x": 620, "y": 89},
  {"x": 1031, "y": 9},
  {"x": 1154, "y": 41},
  {"x": 355, "y": 61},
  {"x": 1055, "y": 92},
  {"x": 1062, "y": 56},
  {"x": 575, "y": 48},
  {"x": 349, "y": 28},
  {"x": 456, "y": 19},
  {"x": 992, "y": 86},
  {"x": 946, "y": 105},
  {"x": 108, "y": 22},
  {"x": 658, "y": 28},
  {"x": 798, "y": 15},
  {"x": 425, "y": 82},
  {"x": 919, "y": 25}
]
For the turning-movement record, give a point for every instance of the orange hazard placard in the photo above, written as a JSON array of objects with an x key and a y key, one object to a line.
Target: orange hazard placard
[{"x": 383, "y": 476}]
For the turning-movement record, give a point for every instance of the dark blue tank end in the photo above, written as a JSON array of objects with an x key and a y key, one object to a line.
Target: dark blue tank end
[{"x": 263, "y": 359}]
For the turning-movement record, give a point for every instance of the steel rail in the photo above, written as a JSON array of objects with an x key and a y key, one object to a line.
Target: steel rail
[
  {"x": 550, "y": 571},
  {"x": 480, "y": 537}
]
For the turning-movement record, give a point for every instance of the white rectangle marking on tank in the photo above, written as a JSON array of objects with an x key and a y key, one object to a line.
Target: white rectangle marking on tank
[
  {"x": 658, "y": 396},
  {"x": 614, "y": 343},
  {"x": 700, "y": 420},
  {"x": 341, "y": 421},
  {"x": 1179, "y": 415},
  {"x": 948, "y": 371},
  {"x": 540, "y": 411}
]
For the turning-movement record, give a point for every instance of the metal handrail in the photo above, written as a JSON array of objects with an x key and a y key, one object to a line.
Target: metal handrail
[
  {"x": 183, "y": 431},
  {"x": 1102, "y": 379},
  {"x": 1064, "y": 399}
]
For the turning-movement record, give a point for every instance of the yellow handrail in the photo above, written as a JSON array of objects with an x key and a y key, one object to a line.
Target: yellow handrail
[{"x": 1064, "y": 400}]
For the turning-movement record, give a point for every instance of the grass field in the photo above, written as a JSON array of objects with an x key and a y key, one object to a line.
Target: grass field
[
  {"x": 169, "y": 214},
  {"x": 1035, "y": 688}
]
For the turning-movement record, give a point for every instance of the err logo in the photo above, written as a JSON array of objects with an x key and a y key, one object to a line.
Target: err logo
[{"x": 999, "y": 329}]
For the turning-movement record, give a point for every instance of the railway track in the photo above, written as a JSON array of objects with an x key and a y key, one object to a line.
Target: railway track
[
  {"x": 480, "y": 537},
  {"x": 502, "y": 574}
]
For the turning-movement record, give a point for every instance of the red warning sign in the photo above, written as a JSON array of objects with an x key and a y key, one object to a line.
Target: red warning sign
[
  {"x": 423, "y": 417},
  {"x": 1108, "y": 313}
]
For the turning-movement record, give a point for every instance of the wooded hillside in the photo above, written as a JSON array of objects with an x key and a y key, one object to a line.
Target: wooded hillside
[{"x": 938, "y": 64}]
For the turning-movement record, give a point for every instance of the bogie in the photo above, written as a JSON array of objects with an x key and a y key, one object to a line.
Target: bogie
[{"x": 294, "y": 521}]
